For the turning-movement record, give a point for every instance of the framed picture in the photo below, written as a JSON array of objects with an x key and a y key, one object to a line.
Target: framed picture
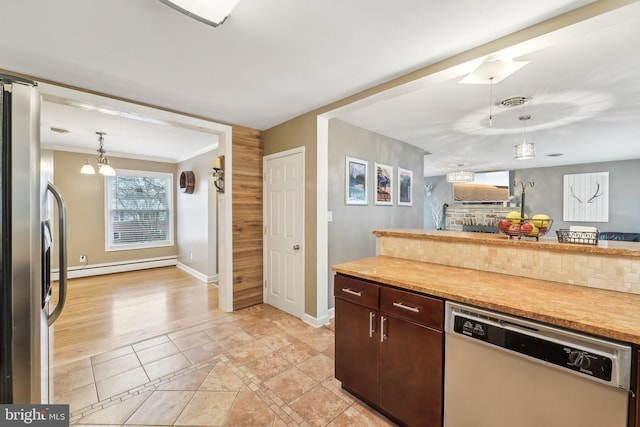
[
  {"x": 384, "y": 184},
  {"x": 405, "y": 182},
  {"x": 356, "y": 181},
  {"x": 586, "y": 197}
]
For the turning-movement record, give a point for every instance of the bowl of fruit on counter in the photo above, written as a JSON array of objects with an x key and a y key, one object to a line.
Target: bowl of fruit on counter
[{"x": 515, "y": 225}]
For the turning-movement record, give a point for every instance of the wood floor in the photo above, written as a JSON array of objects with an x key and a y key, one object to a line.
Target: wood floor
[{"x": 107, "y": 312}]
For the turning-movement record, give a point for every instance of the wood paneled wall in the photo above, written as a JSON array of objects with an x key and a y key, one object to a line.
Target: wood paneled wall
[{"x": 247, "y": 153}]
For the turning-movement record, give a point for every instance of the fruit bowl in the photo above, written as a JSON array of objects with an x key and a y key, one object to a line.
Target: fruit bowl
[{"x": 517, "y": 228}]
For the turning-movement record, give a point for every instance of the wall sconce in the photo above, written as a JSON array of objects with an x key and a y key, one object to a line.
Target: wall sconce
[{"x": 218, "y": 173}]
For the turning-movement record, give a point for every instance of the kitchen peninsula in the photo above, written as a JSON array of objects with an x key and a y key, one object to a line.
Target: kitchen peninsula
[
  {"x": 593, "y": 289},
  {"x": 525, "y": 278}
]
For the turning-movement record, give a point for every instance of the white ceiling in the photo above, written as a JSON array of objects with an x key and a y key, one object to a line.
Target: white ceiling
[
  {"x": 274, "y": 60},
  {"x": 132, "y": 131},
  {"x": 584, "y": 84}
]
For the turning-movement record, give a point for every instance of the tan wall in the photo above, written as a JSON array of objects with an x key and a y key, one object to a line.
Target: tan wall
[
  {"x": 197, "y": 217},
  {"x": 301, "y": 132},
  {"x": 84, "y": 195}
]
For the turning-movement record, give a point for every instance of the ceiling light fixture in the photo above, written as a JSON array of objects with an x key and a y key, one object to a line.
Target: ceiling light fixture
[
  {"x": 494, "y": 69},
  {"x": 491, "y": 102},
  {"x": 460, "y": 175},
  {"x": 104, "y": 168},
  {"x": 211, "y": 12},
  {"x": 526, "y": 150}
]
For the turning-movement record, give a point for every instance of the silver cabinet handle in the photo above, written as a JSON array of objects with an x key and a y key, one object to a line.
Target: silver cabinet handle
[
  {"x": 62, "y": 253},
  {"x": 382, "y": 334},
  {"x": 406, "y": 307},
  {"x": 372, "y": 316},
  {"x": 351, "y": 292},
  {"x": 296, "y": 247}
]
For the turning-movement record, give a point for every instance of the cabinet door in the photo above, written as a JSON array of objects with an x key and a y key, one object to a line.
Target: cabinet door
[
  {"x": 634, "y": 400},
  {"x": 357, "y": 349},
  {"x": 411, "y": 374}
]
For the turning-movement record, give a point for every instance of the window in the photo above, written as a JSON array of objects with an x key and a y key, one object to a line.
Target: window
[{"x": 139, "y": 210}]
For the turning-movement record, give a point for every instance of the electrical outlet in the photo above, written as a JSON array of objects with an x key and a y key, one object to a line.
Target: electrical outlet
[{"x": 84, "y": 258}]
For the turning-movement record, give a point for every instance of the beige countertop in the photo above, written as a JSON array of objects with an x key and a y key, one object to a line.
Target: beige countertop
[
  {"x": 549, "y": 242},
  {"x": 606, "y": 313}
]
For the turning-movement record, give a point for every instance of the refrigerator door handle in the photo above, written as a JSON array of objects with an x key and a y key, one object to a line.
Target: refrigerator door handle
[{"x": 62, "y": 253}]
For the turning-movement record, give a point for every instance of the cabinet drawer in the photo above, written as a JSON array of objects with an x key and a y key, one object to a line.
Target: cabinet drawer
[
  {"x": 357, "y": 291},
  {"x": 416, "y": 308}
]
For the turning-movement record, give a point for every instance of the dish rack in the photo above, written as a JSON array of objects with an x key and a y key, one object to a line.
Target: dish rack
[{"x": 579, "y": 237}]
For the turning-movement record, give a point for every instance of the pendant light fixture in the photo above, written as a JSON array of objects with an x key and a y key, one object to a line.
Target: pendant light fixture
[
  {"x": 104, "y": 168},
  {"x": 460, "y": 175},
  {"x": 490, "y": 101},
  {"x": 525, "y": 150}
]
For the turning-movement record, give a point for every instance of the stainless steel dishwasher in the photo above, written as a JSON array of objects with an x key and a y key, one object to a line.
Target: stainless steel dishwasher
[{"x": 502, "y": 371}]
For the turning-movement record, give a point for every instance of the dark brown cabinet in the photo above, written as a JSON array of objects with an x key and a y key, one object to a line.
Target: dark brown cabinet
[
  {"x": 389, "y": 349},
  {"x": 356, "y": 356},
  {"x": 634, "y": 399}
]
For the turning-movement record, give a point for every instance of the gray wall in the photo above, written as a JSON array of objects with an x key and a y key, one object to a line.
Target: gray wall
[
  {"x": 624, "y": 204},
  {"x": 196, "y": 217},
  {"x": 350, "y": 235},
  {"x": 441, "y": 192},
  {"x": 547, "y": 194}
]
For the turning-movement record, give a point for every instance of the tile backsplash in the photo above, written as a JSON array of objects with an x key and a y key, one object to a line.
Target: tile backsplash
[{"x": 584, "y": 269}]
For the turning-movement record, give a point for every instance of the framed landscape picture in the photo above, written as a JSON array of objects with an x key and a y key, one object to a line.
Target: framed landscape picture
[
  {"x": 405, "y": 183},
  {"x": 356, "y": 181},
  {"x": 384, "y": 184}
]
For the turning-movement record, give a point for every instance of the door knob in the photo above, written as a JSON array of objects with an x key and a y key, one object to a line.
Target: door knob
[{"x": 296, "y": 247}]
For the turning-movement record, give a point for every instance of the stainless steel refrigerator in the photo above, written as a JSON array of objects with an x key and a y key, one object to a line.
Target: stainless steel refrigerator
[{"x": 26, "y": 246}]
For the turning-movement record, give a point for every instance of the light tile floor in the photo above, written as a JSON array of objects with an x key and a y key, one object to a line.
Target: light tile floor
[{"x": 255, "y": 367}]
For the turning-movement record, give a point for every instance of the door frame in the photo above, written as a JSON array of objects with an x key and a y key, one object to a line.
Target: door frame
[{"x": 301, "y": 308}]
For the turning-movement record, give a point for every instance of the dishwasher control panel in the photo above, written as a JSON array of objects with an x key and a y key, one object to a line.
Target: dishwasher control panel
[{"x": 503, "y": 334}]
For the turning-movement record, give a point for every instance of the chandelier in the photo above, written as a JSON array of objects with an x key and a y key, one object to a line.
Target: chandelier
[
  {"x": 104, "y": 168},
  {"x": 461, "y": 176}
]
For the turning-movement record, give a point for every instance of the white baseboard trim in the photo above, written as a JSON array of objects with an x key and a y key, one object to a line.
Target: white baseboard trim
[
  {"x": 318, "y": 322},
  {"x": 115, "y": 267},
  {"x": 195, "y": 273}
]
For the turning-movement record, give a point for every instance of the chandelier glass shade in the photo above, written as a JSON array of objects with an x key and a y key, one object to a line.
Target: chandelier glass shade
[
  {"x": 525, "y": 150},
  {"x": 104, "y": 168}
]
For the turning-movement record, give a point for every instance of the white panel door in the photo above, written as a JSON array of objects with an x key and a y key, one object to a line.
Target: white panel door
[{"x": 284, "y": 228}]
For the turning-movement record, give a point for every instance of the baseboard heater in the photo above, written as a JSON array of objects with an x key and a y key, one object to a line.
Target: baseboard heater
[{"x": 116, "y": 267}]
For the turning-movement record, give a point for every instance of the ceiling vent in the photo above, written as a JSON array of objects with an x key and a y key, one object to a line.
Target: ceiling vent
[
  {"x": 514, "y": 101},
  {"x": 59, "y": 130}
]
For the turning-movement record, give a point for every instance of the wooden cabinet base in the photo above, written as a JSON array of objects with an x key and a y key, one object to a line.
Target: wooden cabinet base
[
  {"x": 389, "y": 350},
  {"x": 411, "y": 374}
]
